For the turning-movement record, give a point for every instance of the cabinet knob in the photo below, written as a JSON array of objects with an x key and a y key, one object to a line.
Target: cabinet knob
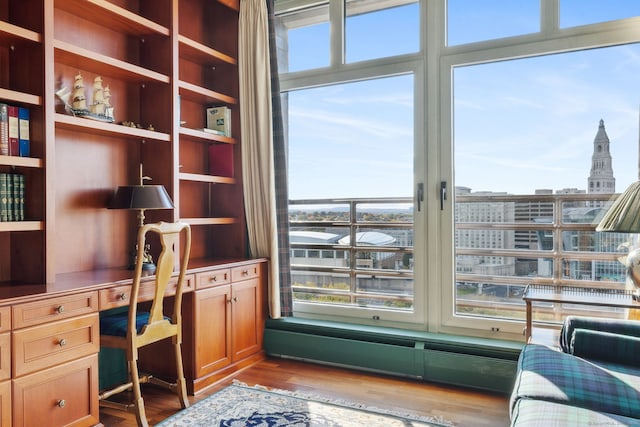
[
  {"x": 235, "y": 299},
  {"x": 229, "y": 301},
  {"x": 122, "y": 297},
  {"x": 60, "y": 309},
  {"x": 245, "y": 272},
  {"x": 62, "y": 342},
  {"x": 61, "y": 403},
  {"x": 213, "y": 279}
]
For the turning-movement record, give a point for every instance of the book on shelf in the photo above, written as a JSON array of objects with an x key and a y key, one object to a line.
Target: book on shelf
[
  {"x": 23, "y": 132},
  {"x": 214, "y": 131},
  {"x": 18, "y": 197},
  {"x": 4, "y": 129},
  {"x": 221, "y": 160},
  {"x": 4, "y": 197},
  {"x": 14, "y": 131},
  {"x": 12, "y": 187},
  {"x": 219, "y": 119}
]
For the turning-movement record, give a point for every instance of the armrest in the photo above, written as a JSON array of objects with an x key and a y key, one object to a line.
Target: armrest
[
  {"x": 614, "y": 326},
  {"x": 606, "y": 347}
]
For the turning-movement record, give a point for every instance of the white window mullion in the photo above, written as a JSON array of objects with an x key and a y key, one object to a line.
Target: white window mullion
[
  {"x": 549, "y": 16},
  {"x": 337, "y": 20}
]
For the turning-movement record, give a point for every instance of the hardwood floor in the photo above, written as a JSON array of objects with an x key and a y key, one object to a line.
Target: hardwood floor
[{"x": 464, "y": 407}]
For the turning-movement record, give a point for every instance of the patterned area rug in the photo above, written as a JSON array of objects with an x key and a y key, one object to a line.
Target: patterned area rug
[{"x": 242, "y": 406}]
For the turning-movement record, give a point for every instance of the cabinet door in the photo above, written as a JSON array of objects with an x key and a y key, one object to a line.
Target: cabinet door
[
  {"x": 65, "y": 395},
  {"x": 211, "y": 329},
  {"x": 5, "y": 404},
  {"x": 246, "y": 324}
]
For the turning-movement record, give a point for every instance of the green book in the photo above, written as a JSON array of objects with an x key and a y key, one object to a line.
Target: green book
[
  {"x": 18, "y": 196},
  {"x": 4, "y": 189},
  {"x": 21, "y": 197},
  {"x": 10, "y": 197}
]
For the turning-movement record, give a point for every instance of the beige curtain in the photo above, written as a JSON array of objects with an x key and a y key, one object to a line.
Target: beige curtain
[{"x": 257, "y": 140}]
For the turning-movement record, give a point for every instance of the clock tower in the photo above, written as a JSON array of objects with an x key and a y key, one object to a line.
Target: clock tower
[{"x": 601, "y": 178}]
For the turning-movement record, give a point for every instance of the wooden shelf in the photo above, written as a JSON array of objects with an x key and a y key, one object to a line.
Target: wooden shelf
[
  {"x": 10, "y": 33},
  {"x": 20, "y": 97},
  {"x": 233, "y": 4},
  {"x": 211, "y": 179},
  {"x": 21, "y": 226},
  {"x": 84, "y": 59},
  {"x": 64, "y": 121},
  {"x": 204, "y": 96},
  {"x": 29, "y": 162},
  {"x": 205, "y": 136},
  {"x": 209, "y": 221},
  {"x": 114, "y": 17},
  {"x": 195, "y": 51}
]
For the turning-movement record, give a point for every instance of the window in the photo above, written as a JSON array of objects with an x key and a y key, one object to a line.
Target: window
[
  {"x": 373, "y": 32},
  {"x": 351, "y": 149},
  {"x": 541, "y": 139},
  {"x": 299, "y": 30},
  {"x": 583, "y": 12},
  {"x": 492, "y": 112},
  {"x": 480, "y": 20}
]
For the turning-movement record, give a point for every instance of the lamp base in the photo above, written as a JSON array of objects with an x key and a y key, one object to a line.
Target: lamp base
[{"x": 148, "y": 266}]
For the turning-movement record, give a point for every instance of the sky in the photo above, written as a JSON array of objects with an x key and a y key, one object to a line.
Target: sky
[{"x": 519, "y": 125}]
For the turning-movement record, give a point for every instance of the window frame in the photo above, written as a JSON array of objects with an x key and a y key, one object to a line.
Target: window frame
[
  {"x": 340, "y": 72},
  {"x": 550, "y": 40},
  {"x": 433, "y": 65}
]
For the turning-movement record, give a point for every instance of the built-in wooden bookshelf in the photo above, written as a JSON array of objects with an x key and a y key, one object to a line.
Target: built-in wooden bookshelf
[{"x": 165, "y": 62}]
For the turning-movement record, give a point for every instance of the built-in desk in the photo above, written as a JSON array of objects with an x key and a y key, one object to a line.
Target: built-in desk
[{"x": 50, "y": 338}]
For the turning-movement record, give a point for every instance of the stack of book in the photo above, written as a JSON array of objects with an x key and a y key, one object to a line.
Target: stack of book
[
  {"x": 219, "y": 121},
  {"x": 11, "y": 197},
  {"x": 14, "y": 131}
]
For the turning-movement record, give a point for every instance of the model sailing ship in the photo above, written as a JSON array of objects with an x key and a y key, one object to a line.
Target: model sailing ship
[{"x": 101, "y": 108}]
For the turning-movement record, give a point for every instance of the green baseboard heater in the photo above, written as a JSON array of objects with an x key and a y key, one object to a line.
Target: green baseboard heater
[{"x": 479, "y": 363}]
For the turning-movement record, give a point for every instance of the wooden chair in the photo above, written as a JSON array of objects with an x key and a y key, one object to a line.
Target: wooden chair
[{"x": 134, "y": 329}]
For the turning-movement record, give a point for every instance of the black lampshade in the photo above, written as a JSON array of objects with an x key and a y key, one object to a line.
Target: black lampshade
[{"x": 141, "y": 197}]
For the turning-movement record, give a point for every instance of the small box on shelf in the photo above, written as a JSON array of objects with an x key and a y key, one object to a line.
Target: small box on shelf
[{"x": 219, "y": 120}]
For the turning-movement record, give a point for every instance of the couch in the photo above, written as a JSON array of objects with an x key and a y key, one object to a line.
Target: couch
[{"x": 592, "y": 378}]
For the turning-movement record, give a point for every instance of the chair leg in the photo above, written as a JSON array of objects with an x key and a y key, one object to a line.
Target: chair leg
[
  {"x": 181, "y": 383},
  {"x": 141, "y": 417}
]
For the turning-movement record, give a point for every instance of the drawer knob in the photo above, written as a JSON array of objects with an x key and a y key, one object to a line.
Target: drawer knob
[
  {"x": 61, "y": 403},
  {"x": 60, "y": 309},
  {"x": 213, "y": 279},
  {"x": 62, "y": 342},
  {"x": 245, "y": 272},
  {"x": 122, "y": 297}
]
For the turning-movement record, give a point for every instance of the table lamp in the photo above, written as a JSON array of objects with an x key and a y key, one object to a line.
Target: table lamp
[
  {"x": 624, "y": 217},
  {"x": 141, "y": 197}
]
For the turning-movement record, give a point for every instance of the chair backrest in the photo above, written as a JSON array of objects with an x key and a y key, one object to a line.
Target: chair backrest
[{"x": 158, "y": 327}]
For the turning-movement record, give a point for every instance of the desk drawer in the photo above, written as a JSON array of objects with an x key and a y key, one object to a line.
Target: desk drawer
[
  {"x": 120, "y": 296},
  {"x": 213, "y": 278},
  {"x": 43, "y": 346},
  {"x": 245, "y": 272},
  {"x": 52, "y": 309},
  {"x": 5, "y": 319},
  {"x": 65, "y": 395}
]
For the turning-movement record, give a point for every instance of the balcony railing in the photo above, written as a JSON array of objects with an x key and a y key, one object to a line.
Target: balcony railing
[
  {"x": 353, "y": 251},
  {"x": 360, "y": 251}
]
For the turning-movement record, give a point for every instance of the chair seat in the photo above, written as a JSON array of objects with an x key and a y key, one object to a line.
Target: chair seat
[{"x": 116, "y": 324}]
